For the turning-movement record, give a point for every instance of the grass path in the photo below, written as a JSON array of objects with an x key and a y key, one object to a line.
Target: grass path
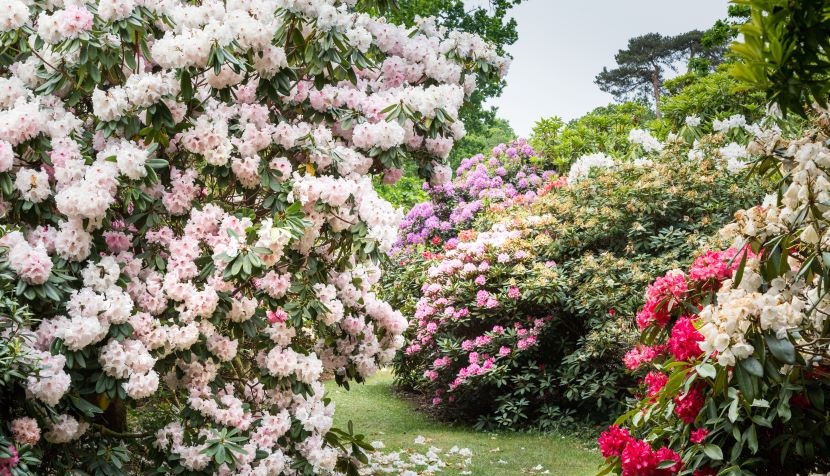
[{"x": 379, "y": 415}]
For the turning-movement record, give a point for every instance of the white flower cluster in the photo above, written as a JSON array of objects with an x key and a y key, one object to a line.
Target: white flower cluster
[
  {"x": 736, "y": 121},
  {"x": 645, "y": 139},
  {"x": 790, "y": 306},
  {"x": 581, "y": 168}
]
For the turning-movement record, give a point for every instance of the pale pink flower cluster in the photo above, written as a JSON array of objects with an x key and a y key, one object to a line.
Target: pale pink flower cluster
[
  {"x": 64, "y": 429},
  {"x": 51, "y": 382},
  {"x": 25, "y": 430}
]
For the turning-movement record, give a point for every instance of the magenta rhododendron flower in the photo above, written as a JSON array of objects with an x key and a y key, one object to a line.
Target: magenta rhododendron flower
[
  {"x": 698, "y": 435},
  {"x": 661, "y": 297},
  {"x": 685, "y": 339},
  {"x": 688, "y": 405},
  {"x": 613, "y": 441},
  {"x": 655, "y": 381}
]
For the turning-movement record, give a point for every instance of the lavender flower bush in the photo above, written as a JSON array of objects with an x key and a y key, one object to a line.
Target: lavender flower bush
[{"x": 509, "y": 176}]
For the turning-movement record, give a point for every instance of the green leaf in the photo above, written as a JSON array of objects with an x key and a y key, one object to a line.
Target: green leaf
[
  {"x": 706, "y": 370},
  {"x": 753, "y": 366},
  {"x": 713, "y": 452},
  {"x": 782, "y": 349}
]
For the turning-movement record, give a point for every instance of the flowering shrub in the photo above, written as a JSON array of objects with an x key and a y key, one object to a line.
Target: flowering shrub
[
  {"x": 191, "y": 218},
  {"x": 525, "y": 323},
  {"x": 733, "y": 351},
  {"x": 508, "y": 177}
]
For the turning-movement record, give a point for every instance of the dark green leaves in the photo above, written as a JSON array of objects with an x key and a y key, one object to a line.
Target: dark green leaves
[{"x": 782, "y": 349}]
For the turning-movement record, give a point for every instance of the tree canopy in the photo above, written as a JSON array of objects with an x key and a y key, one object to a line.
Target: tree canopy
[{"x": 640, "y": 67}]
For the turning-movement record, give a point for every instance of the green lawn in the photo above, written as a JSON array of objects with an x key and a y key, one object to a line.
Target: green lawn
[{"x": 378, "y": 414}]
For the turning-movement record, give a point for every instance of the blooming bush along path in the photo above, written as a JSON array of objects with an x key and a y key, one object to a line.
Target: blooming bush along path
[
  {"x": 190, "y": 222},
  {"x": 732, "y": 353},
  {"x": 519, "y": 311}
]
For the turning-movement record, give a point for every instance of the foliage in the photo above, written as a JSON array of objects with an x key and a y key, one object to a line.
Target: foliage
[
  {"x": 521, "y": 322},
  {"x": 713, "y": 96},
  {"x": 785, "y": 52},
  {"x": 188, "y": 211},
  {"x": 734, "y": 351},
  {"x": 603, "y": 130},
  {"x": 406, "y": 192}
]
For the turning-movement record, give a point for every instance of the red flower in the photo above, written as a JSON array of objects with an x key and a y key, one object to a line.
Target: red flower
[
  {"x": 666, "y": 454},
  {"x": 655, "y": 381},
  {"x": 436, "y": 240},
  {"x": 638, "y": 459},
  {"x": 687, "y": 406},
  {"x": 705, "y": 472},
  {"x": 613, "y": 441},
  {"x": 685, "y": 339},
  {"x": 661, "y": 298},
  {"x": 800, "y": 400},
  {"x": 697, "y": 436}
]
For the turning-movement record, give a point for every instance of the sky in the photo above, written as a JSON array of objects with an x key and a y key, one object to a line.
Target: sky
[{"x": 564, "y": 44}]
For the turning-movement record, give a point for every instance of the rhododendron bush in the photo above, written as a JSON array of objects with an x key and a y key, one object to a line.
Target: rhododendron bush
[
  {"x": 511, "y": 175},
  {"x": 520, "y": 317},
  {"x": 733, "y": 352},
  {"x": 189, "y": 215}
]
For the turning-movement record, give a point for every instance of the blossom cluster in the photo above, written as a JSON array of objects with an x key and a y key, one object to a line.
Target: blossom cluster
[
  {"x": 506, "y": 178},
  {"x": 492, "y": 340},
  {"x": 739, "y": 327}
]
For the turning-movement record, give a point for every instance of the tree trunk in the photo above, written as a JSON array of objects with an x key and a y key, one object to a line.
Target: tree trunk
[
  {"x": 115, "y": 416},
  {"x": 655, "y": 84}
]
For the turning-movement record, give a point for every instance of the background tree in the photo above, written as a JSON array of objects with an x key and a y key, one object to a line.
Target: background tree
[
  {"x": 640, "y": 67},
  {"x": 484, "y": 129}
]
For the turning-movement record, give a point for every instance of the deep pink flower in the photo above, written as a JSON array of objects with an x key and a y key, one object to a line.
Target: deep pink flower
[
  {"x": 688, "y": 405},
  {"x": 655, "y": 381},
  {"x": 666, "y": 454},
  {"x": 685, "y": 339},
  {"x": 661, "y": 298},
  {"x": 276, "y": 316},
  {"x": 642, "y": 354},
  {"x": 613, "y": 441},
  {"x": 638, "y": 459},
  {"x": 697, "y": 436}
]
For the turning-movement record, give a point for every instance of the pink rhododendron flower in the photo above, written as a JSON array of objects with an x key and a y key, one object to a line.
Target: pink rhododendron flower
[
  {"x": 655, "y": 381},
  {"x": 661, "y": 297},
  {"x": 685, "y": 339},
  {"x": 688, "y": 405},
  {"x": 642, "y": 354},
  {"x": 276, "y": 316},
  {"x": 613, "y": 441},
  {"x": 699, "y": 435}
]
